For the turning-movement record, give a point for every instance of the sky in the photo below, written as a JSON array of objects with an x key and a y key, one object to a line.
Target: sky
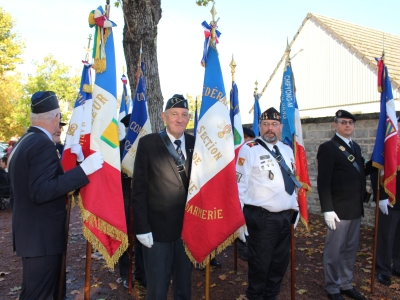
[{"x": 254, "y": 32}]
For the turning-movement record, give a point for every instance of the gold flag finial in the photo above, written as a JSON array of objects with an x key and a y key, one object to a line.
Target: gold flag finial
[
  {"x": 213, "y": 13},
  {"x": 233, "y": 66},
  {"x": 87, "y": 50}
]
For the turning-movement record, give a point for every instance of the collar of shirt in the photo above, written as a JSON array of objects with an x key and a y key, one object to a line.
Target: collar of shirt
[
  {"x": 347, "y": 141},
  {"x": 46, "y": 132},
  {"x": 182, "y": 139}
]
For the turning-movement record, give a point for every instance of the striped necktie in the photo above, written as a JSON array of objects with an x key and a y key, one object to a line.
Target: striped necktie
[{"x": 179, "y": 150}]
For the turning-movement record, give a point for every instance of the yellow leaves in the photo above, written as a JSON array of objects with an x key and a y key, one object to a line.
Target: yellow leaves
[
  {"x": 222, "y": 277},
  {"x": 366, "y": 270},
  {"x": 301, "y": 291},
  {"x": 74, "y": 292},
  {"x": 395, "y": 286},
  {"x": 213, "y": 285},
  {"x": 113, "y": 286}
]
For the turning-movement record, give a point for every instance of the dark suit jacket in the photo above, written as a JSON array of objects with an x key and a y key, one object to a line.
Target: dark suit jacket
[
  {"x": 39, "y": 186},
  {"x": 158, "y": 195},
  {"x": 341, "y": 187}
]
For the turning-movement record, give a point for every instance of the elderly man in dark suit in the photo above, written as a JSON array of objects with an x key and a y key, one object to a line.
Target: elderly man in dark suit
[
  {"x": 160, "y": 181},
  {"x": 39, "y": 187},
  {"x": 341, "y": 188}
]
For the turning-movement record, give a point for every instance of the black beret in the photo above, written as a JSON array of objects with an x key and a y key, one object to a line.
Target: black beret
[
  {"x": 125, "y": 120},
  {"x": 177, "y": 101},
  {"x": 248, "y": 132},
  {"x": 271, "y": 114},
  {"x": 344, "y": 114},
  {"x": 62, "y": 123},
  {"x": 42, "y": 102}
]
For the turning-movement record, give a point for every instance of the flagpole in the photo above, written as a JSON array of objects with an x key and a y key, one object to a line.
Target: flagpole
[
  {"x": 87, "y": 270},
  {"x": 375, "y": 233},
  {"x": 130, "y": 238},
  {"x": 235, "y": 246}
]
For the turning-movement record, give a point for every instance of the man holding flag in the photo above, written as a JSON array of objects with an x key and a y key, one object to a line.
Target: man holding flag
[
  {"x": 267, "y": 193},
  {"x": 160, "y": 184},
  {"x": 39, "y": 187}
]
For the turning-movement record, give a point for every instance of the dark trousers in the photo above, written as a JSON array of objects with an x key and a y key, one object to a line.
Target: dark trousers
[
  {"x": 162, "y": 262},
  {"x": 268, "y": 246},
  {"x": 40, "y": 276},
  {"x": 388, "y": 242}
]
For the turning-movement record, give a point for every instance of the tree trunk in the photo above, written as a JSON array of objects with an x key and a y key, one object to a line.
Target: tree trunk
[{"x": 141, "y": 20}]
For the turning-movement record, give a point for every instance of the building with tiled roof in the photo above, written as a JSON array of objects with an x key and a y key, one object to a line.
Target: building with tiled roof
[{"x": 334, "y": 67}]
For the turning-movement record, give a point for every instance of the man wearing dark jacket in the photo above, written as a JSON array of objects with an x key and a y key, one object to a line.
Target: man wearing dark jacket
[
  {"x": 388, "y": 247},
  {"x": 39, "y": 187},
  {"x": 159, "y": 194},
  {"x": 341, "y": 188}
]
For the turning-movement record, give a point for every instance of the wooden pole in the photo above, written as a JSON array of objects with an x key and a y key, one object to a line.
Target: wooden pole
[
  {"x": 375, "y": 233},
  {"x": 235, "y": 255},
  {"x": 87, "y": 271},
  {"x": 207, "y": 295},
  {"x": 130, "y": 236},
  {"x": 292, "y": 283},
  {"x": 64, "y": 256}
]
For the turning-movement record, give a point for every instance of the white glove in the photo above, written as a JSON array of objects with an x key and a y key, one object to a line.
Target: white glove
[
  {"x": 243, "y": 233},
  {"x": 330, "y": 218},
  {"x": 383, "y": 206},
  {"x": 146, "y": 239},
  {"x": 77, "y": 149},
  {"x": 297, "y": 220},
  {"x": 92, "y": 163}
]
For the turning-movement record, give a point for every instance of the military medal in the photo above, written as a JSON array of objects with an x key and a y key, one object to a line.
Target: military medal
[{"x": 271, "y": 175}]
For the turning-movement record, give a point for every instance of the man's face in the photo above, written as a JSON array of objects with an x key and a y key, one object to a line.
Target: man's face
[
  {"x": 57, "y": 135},
  {"x": 270, "y": 130},
  {"x": 344, "y": 127},
  {"x": 176, "y": 120}
]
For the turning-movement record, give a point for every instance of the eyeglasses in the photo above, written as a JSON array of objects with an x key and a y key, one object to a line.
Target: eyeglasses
[
  {"x": 275, "y": 124},
  {"x": 343, "y": 122}
]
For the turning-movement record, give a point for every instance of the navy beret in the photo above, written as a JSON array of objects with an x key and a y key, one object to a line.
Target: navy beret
[
  {"x": 42, "y": 102},
  {"x": 248, "y": 132},
  {"x": 344, "y": 114},
  {"x": 177, "y": 101},
  {"x": 271, "y": 114}
]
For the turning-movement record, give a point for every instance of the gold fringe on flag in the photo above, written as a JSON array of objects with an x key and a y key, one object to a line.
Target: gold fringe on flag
[
  {"x": 99, "y": 65},
  {"x": 94, "y": 221},
  {"x": 87, "y": 88},
  {"x": 213, "y": 253}
]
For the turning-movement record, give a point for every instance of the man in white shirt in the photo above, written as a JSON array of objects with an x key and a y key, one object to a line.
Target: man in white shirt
[{"x": 268, "y": 197}]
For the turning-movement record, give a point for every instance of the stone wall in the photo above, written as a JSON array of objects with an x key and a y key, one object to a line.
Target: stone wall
[{"x": 319, "y": 130}]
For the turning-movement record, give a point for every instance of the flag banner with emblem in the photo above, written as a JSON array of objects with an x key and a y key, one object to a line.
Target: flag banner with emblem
[
  {"x": 125, "y": 107},
  {"x": 256, "y": 114},
  {"x": 102, "y": 205},
  {"x": 236, "y": 120},
  {"x": 80, "y": 124},
  {"x": 386, "y": 154},
  {"x": 290, "y": 118},
  {"x": 139, "y": 125},
  {"x": 213, "y": 212}
]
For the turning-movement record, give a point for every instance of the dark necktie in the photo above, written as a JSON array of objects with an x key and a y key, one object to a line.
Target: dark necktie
[
  {"x": 352, "y": 147},
  {"x": 289, "y": 184},
  {"x": 179, "y": 150}
]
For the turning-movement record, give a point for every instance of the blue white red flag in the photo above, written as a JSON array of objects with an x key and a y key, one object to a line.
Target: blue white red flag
[
  {"x": 287, "y": 106},
  {"x": 207, "y": 34},
  {"x": 102, "y": 205},
  {"x": 386, "y": 154},
  {"x": 126, "y": 103},
  {"x": 256, "y": 114},
  {"x": 236, "y": 120},
  {"x": 290, "y": 114},
  {"x": 139, "y": 125},
  {"x": 80, "y": 124},
  {"x": 213, "y": 212}
]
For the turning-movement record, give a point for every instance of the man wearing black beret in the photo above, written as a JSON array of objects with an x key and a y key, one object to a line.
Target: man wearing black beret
[
  {"x": 39, "y": 187},
  {"x": 159, "y": 192},
  {"x": 341, "y": 188}
]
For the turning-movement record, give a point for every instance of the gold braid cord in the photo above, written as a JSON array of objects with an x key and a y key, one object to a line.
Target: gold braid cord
[
  {"x": 213, "y": 253},
  {"x": 127, "y": 172},
  {"x": 100, "y": 64},
  {"x": 106, "y": 228}
]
